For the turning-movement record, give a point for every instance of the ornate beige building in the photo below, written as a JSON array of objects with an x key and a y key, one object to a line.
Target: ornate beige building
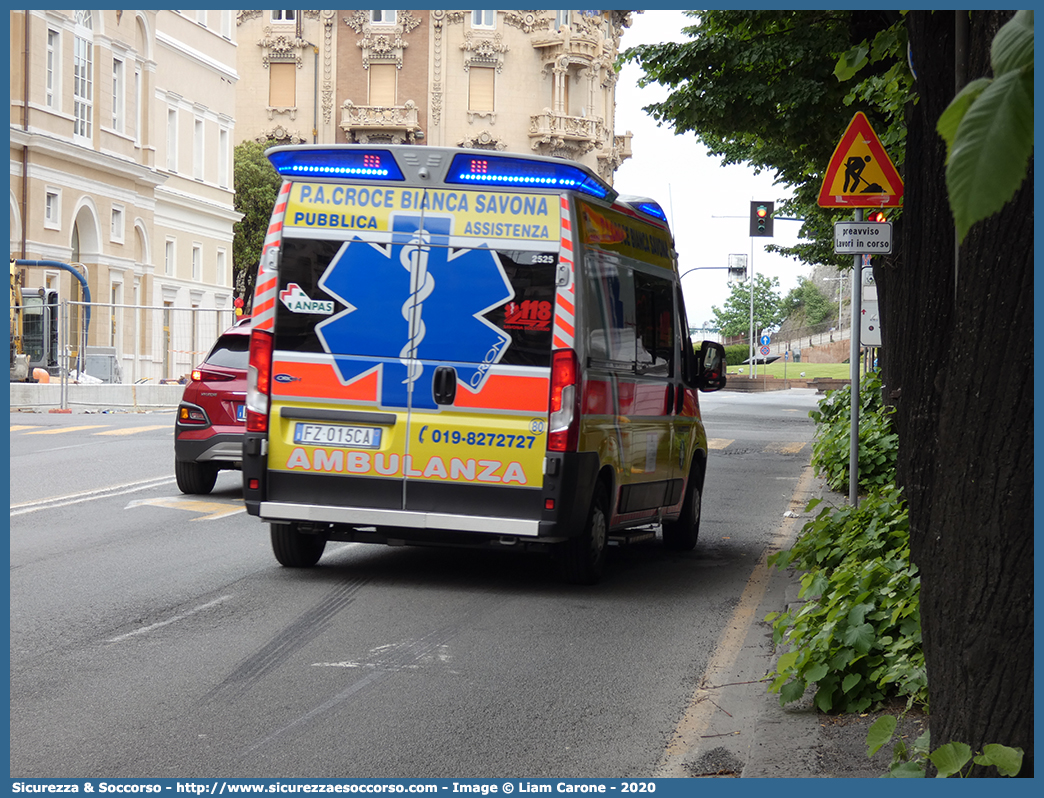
[
  {"x": 122, "y": 130},
  {"x": 521, "y": 81}
]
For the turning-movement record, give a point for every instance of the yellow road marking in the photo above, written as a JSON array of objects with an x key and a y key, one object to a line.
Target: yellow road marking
[
  {"x": 792, "y": 447},
  {"x": 133, "y": 430},
  {"x": 59, "y": 430},
  {"x": 20, "y": 427},
  {"x": 718, "y": 443},
  {"x": 213, "y": 510}
]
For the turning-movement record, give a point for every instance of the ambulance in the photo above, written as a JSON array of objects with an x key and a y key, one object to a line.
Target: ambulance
[{"x": 470, "y": 348}]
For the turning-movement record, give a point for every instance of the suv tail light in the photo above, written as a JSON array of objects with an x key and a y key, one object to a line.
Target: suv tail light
[
  {"x": 564, "y": 421},
  {"x": 208, "y": 375},
  {"x": 259, "y": 381}
]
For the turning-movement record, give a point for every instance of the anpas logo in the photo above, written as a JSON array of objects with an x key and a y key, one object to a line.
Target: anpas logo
[
  {"x": 411, "y": 306},
  {"x": 299, "y": 302}
]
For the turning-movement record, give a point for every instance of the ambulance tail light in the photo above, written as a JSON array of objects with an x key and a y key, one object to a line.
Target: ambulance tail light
[
  {"x": 564, "y": 421},
  {"x": 259, "y": 381}
]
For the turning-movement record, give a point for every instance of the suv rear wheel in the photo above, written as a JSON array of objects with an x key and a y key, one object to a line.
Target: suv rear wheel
[
  {"x": 293, "y": 548},
  {"x": 195, "y": 477}
]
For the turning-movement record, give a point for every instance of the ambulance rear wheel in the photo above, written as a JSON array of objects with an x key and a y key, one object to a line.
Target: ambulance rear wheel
[
  {"x": 295, "y": 549},
  {"x": 681, "y": 535},
  {"x": 582, "y": 558}
]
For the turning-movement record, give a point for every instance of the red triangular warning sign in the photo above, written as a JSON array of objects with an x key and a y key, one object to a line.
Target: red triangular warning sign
[{"x": 860, "y": 174}]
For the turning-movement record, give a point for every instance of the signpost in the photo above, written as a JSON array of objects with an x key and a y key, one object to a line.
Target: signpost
[{"x": 860, "y": 175}]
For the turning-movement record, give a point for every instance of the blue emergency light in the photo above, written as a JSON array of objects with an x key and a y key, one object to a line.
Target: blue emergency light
[
  {"x": 491, "y": 170},
  {"x": 650, "y": 208},
  {"x": 356, "y": 164}
]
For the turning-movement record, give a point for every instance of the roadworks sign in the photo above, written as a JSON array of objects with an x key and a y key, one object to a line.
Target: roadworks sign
[{"x": 860, "y": 174}]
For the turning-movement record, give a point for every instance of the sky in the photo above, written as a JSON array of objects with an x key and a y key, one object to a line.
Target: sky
[{"x": 707, "y": 204}]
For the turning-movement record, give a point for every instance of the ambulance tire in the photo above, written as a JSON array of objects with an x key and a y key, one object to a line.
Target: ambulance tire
[
  {"x": 681, "y": 535},
  {"x": 295, "y": 549},
  {"x": 581, "y": 559},
  {"x": 195, "y": 478}
]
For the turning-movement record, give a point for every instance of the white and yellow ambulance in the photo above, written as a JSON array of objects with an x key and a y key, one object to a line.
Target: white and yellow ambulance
[{"x": 459, "y": 347}]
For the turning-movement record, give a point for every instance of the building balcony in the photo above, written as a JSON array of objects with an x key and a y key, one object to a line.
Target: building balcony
[
  {"x": 386, "y": 124},
  {"x": 578, "y": 134},
  {"x": 576, "y": 46}
]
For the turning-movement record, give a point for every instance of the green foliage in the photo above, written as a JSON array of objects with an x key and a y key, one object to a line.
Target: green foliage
[
  {"x": 878, "y": 440},
  {"x": 256, "y": 185},
  {"x": 858, "y": 635},
  {"x": 735, "y": 354},
  {"x": 988, "y": 129},
  {"x": 761, "y": 87},
  {"x": 949, "y": 759},
  {"x": 808, "y": 303},
  {"x": 734, "y": 317}
]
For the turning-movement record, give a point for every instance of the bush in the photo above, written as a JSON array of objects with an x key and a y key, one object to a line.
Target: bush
[
  {"x": 878, "y": 441},
  {"x": 735, "y": 354},
  {"x": 858, "y": 637}
]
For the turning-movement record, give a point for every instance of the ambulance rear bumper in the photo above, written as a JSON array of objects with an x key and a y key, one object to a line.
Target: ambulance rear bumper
[{"x": 370, "y": 516}]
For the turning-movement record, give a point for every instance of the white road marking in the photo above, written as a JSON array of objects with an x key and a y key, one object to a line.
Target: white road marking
[
  {"x": 88, "y": 495},
  {"x": 169, "y": 621}
]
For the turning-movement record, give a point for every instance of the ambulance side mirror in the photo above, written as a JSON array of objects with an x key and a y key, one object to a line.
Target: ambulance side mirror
[{"x": 710, "y": 367}]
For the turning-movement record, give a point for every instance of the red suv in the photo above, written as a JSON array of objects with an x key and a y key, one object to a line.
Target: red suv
[{"x": 211, "y": 419}]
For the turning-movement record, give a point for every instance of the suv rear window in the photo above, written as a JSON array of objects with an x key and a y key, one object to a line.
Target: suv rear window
[{"x": 231, "y": 352}]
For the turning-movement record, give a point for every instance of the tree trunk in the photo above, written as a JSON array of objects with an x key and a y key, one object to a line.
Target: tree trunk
[{"x": 962, "y": 363}]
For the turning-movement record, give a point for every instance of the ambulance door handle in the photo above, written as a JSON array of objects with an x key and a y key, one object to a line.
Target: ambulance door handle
[{"x": 444, "y": 385}]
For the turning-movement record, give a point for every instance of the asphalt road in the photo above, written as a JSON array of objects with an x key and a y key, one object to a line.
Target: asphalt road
[{"x": 154, "y": 635}]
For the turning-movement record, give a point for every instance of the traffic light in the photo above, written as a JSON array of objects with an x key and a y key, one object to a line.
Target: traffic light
[
  {"x": 761, "y": 219},
  {"x": 876, "y": 216}
]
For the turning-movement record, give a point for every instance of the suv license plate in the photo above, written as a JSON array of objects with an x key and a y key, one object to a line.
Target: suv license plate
[
  {"x": 240, "y": 412},
  {"x": 337, "y": 435}
]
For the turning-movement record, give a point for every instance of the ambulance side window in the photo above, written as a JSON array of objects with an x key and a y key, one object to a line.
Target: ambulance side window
[
  {"x": 609, "y": 314},
  {"x": 654, "y": 312}
]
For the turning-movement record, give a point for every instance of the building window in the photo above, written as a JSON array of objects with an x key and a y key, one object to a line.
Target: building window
[
  {"x": 137, "y": 105},
  {"x": 382, "y": 17},
  {"x": 52, "y": 208},
  {"x": 168, "y": 257},
  {"x": 483, "y": 19},
  {"x": 480, "y": 88},
  {"x": 282, "y": 85},
  {"x": 220, "y": 263},
  {"x": 172, "y": 139},
  {"x": 118, "y": 92},
  {"x": 116, "y": 226},
  {"x": 54, "y": 50},
  {"x": 197, "y": 263},
  {"x": 382, "y": 84},
  {"x": 562, "y": 19},
  {"x": 197, "y": 150},
  {"x": 83, "y": 87},
  {"x": 283, "y": 16},
  {"x": 226, "y": 24},
  {"x": 223, "y": 157},
  {"x": 201, "y": 18}
]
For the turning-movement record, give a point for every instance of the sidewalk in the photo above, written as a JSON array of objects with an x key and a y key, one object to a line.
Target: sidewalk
[{"x": 736, "y": 728}]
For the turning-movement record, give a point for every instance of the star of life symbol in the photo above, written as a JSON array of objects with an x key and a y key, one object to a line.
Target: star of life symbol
[{"x": 411, "y": 306}]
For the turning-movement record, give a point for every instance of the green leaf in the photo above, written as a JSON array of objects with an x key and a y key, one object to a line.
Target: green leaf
[
  {"x": 990, "y": 150},
  {"x": 861, "y": 637},
  {"x": 792, "y": 691},
  {"x": 1008, "y": 761},
  {"x": 787, "y": 661},
  {"x": 851, "y": 62},
  {"x": 950, "y": 758},
  {"x": 851, "y": 681},
  {"x": 816, "y": 672},
  {"x": 1012, "y": 47},
  {"x": 881, "y": 731},
  {"x": 907, "y": 770}
]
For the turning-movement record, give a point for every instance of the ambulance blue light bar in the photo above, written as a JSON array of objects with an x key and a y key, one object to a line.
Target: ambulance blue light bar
[
  {"x": 355, "y": 164},
  {"x": 496, "y": 170}
]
